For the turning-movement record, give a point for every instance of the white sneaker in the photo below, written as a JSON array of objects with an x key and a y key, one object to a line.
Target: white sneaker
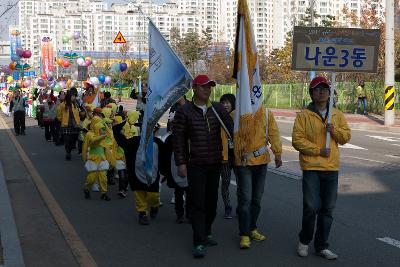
[
  {"x": 172, "y": 201},
  {"x": 302, "y": 250},
  {"x": 327, "y": 254},
  {"x": 95, "y": 187}
]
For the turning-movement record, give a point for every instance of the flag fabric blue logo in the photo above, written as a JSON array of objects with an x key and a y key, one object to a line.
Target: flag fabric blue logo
[{"x": 168, "y": 80}]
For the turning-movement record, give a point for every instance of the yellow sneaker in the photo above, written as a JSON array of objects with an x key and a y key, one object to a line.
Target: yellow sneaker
[
  {"x": 244, "y": 242},
  {"x": 256, "y": 236}
]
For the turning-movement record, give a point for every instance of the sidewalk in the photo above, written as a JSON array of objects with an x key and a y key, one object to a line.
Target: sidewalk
[{"x": 371, "y": 122}]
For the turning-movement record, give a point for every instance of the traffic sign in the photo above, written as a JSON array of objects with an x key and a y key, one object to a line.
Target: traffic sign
[
  {"x": 335, "y": 49},
  {"x": 119, "y": 39}
]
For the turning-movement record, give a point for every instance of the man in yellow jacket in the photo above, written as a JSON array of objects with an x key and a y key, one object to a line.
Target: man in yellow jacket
[{"x": 320, "y": 166}]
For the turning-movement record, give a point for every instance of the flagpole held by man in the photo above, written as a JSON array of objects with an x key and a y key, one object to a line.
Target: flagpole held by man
[{"x": 255, "y": 129}]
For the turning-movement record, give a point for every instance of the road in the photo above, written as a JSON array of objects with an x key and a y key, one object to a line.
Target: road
[{"x": 367, "y": 209}]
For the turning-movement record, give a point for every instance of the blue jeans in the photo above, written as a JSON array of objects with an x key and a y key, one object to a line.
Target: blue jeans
[
  {"x": 362, "y": 101},
  {"x": 319, "y": 199},
  {"x": 250, "y": 189}
]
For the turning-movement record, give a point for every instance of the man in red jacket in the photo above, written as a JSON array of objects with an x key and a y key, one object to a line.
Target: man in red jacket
[{"x": 198, "y": 155}]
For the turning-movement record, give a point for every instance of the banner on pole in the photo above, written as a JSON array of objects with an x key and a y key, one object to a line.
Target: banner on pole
[
  {"x": 47, "y": 55},
  {"x": 335, "y": 49}
]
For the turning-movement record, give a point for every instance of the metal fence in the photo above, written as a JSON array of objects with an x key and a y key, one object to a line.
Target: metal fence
[{"x": 297, "y": 96}]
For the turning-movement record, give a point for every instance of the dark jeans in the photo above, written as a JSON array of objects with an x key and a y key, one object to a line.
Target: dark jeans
[
  {"x": 57, "y": 133},
  {"x": 362, "y": 101},
  {"x": 203, "y": 191},
  {"x": 319, "y": 199},
  {"x": 69, "y": 142},
  {"x": 49, "y": 130},
  {"x": 180, "y": 205},
  {"x": 19, "y": 122},
  {"x": 250, "y": 189}
]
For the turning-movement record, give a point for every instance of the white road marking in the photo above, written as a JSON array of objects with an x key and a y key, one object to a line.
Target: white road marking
[
  {"x": 390, "y": 241},
  {"x": 286, "y": 161},
  {"x": 233, "y": 183},
  {"x": 395, "y": 144},
  {"x": 385, "y": 138},
  {"x": 393, "y": 156},
  {"x": 350, "y": 146},
  {"x": 371, "y": 160}
]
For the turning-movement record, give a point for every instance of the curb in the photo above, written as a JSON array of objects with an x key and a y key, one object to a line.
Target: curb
[{"x": 9, "y": 236}]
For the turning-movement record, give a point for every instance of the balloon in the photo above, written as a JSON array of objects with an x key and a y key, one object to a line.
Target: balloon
[
  {"x": 71, "y": 35},
  {"x": 27, "y": 83},
  {"x": 50, "y": 79},
  {"x": 102, "y": 78},
  {"x": 60, "y": 61},
  {"x": 52, "y": 83},
  {"x": 94, "y": 62},
  {"x": 50, "y": 74},
  {"x": 44, "y": 76},
  {"x": 66, "y": 64},
  {"x": 15, "y": 58},
  {"x": 27, "y": 54},
  {"x": 107, "y": 80},
  {"x": 94, "y": 81},
  {"x": 123, "y": 66},
  {"x": 77, "y": 35},
  {"x": 115, "y": 67},
  {"x": 12, "y": 65},
  {"x": 40, "y": 82},
  {"x": 63, "y": 84},
  {"x": 88, "y": 63},
  {"x": 10, "y": 79},
  {"x": 19, "y": 51},
  {"x": 80, "y": 61},
  {"x": 88, "y": 59},
  {"x": 6, "y": 70},
  {"x": 57, "y": 88},
  {"x": 65, "y": 39}
]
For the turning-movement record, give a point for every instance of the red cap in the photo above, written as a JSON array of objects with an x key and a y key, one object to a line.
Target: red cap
[
  {"x": 319, "y": 80},
  {"x": 202, "y": 80}
]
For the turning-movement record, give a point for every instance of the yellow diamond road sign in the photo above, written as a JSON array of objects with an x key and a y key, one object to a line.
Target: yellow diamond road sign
[{"x": 119, "y": 39}]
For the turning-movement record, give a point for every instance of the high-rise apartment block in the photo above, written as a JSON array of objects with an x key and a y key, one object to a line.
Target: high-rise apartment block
[{"x": 99, "y": 23}]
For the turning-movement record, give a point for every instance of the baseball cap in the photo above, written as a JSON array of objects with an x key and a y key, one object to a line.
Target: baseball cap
[
  {"x": 319, "y": 80},
  {"x": 202, "y": 80}
]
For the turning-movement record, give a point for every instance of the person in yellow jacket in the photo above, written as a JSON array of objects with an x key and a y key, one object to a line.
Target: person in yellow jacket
[
  {"x": 361, "y": 98},
  {"x": 320, "y": 166},
  {"x": 94, "y": 155},
  {"x": 111, "y": 151},
  {"x": 68, "y": 114},
  {"x": 251, "y": 173}
]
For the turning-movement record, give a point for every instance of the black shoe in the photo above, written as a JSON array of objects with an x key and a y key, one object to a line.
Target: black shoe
[
  {"x": 105, "y": 197},
  {"x": 179, "y": 219},
  {"x": 23, "y": 133},
  {"x": 68, "y": 157},
  {"x": 86, "y": 192},
  {"x": 16, "y": 134},
  {"x": 122, "y": 194},
  {"x": 153, "y": 212},
  {"x": 143, "y": 219}
]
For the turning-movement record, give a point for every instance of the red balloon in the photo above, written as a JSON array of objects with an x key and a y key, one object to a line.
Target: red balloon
[
  {"x": 66, "y": 64},
  {"x": 44, "y": 76},
  {"x": 27, "y": 54}
]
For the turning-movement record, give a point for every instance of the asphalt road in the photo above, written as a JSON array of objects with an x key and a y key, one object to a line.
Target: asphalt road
[{"x": 367, "y": 209}]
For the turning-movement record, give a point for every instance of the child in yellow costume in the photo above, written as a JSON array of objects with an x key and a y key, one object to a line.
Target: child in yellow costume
[
  {"x": 94, "y": 154},
  {"x": 120, "y": 164},
  {"x": 111, "y": 145}
]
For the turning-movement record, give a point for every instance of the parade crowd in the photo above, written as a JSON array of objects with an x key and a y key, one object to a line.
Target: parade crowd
[{"x": 195, "y": 156}]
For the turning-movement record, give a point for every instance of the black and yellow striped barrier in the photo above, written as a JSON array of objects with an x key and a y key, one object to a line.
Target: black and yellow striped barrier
[{"x": 389, "y": 97}]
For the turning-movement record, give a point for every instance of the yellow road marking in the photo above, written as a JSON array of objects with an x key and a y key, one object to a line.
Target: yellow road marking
[{"x": 78, "y": 248}]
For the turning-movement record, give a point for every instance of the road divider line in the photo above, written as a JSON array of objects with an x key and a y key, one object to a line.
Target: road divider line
[
  {"x": 390, "y": 241},
  {"x": 371, "y": 160},
  {"x": 393, "y": 156},
  {"x": 78, "y": 248}
]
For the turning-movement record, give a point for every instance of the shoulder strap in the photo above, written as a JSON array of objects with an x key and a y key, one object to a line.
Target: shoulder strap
[{"x": 222, "y": 123}]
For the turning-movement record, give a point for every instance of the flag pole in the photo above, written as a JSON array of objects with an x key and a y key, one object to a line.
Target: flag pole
[{"x": 330, "y": 110}]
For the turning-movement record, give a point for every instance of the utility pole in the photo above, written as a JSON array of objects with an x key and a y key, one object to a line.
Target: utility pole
[
  {"x": 312, "y": 2},
  {"x": 389, "y": 64}
]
